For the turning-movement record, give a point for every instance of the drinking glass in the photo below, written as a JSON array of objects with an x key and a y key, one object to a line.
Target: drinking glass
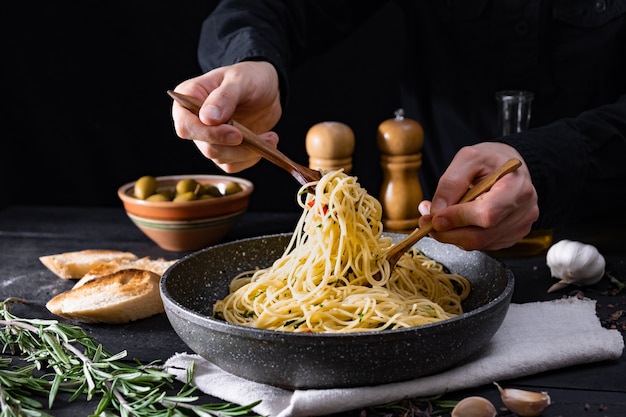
[{"x": 514, "y": 110}]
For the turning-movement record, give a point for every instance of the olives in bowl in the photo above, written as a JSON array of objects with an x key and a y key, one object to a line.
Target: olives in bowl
[
  {"x": 183, "y": 213},
  {"x": 185, "y": 189}
]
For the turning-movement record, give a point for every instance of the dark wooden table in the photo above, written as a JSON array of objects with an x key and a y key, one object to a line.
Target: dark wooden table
[{"x": 27, "y": 232}]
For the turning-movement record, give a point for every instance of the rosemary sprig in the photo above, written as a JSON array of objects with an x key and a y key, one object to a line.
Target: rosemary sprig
[{"x": 64, "y": 358}]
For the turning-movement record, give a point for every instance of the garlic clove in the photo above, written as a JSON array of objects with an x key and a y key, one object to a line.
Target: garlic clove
[
  {"x": 474, "y": 407},
  {"x": 524, "y": 403},
  {"x": 558, "y": 286}
]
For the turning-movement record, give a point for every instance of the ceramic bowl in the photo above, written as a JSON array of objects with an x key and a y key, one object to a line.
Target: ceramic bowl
[
  {"x": 187, "y": 225},
  {"x": 190, "y": 287}
]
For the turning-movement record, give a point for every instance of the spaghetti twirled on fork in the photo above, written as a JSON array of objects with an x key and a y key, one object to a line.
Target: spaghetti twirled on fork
[{"x": 323, "y": 281}]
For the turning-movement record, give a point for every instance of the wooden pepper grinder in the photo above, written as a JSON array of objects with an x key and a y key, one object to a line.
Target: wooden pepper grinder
[
  {"x": 400, "y": 142},
  {"x": 330, "y": 146}
]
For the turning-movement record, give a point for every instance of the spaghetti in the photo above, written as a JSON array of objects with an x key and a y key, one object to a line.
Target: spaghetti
[{"x": 324, "y": 280}]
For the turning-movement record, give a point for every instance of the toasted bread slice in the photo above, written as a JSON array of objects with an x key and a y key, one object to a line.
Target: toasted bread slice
[
  {"x": 73, "y": 265},
  {"x": 158, "y": 266},
  {"x": 121, "y": 297}
]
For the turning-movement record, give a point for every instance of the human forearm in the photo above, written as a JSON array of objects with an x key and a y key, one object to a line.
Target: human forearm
[{"x": 284, "y": 33}]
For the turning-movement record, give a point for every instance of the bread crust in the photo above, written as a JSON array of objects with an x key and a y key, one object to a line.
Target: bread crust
[
  {"x": 74, "y": 265},
  {"x": 158, "y": 266},
  {"x": 121, "y": 297}
]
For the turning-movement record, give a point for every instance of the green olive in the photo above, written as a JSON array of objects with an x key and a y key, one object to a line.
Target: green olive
[
  {"x": 167, "y": 191},
  {"x": 145, "y": 187},
  {"x": 205, "y": 196},
  {"x": 212, "y": 190},
  {"x": 186, "y": 196},
  {"x": 186, "y": 185},
  {"x": 232, "y": 187},
  {"x": 158, "y": 197}
]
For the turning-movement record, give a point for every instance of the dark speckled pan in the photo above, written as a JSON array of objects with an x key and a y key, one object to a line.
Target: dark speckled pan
[{"x": 302, "y": 360}]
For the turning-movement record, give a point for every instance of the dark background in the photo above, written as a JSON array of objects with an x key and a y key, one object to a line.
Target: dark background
[{"x": 87, "y": 110}]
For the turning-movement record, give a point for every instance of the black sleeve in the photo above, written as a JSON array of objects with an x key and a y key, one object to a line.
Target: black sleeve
[
  {"x": 282, "y": 32},
  {"x": 578, "y": 165}
]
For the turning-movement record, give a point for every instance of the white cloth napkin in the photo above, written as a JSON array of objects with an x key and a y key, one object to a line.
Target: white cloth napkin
[{"x": 533, "y": 338}]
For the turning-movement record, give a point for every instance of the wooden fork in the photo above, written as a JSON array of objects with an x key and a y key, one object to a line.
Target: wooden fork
[{"x": 251, "y": 140}]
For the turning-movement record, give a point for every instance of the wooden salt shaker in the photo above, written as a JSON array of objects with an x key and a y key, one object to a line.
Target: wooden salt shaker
[
  {"x": 400, "y": 142},
  {"x": 330, "y": 146}
]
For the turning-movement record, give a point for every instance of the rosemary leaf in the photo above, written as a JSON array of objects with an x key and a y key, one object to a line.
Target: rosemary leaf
[{"x": 54, "y": 389}]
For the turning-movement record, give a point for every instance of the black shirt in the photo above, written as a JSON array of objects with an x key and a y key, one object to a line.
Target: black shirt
[{"x": 570, "y": 53}]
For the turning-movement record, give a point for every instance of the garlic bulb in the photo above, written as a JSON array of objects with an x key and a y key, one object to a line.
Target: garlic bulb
[
  {"x": 574, "y": 263},
  {"x": 474, "y": 407},
  {"x": 524, "y": 403}
]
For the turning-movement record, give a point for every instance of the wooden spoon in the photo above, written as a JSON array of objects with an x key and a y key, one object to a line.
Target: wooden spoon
[
  {"x": 251, "y": 140},
  {"x": 482, "y": 186}
]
